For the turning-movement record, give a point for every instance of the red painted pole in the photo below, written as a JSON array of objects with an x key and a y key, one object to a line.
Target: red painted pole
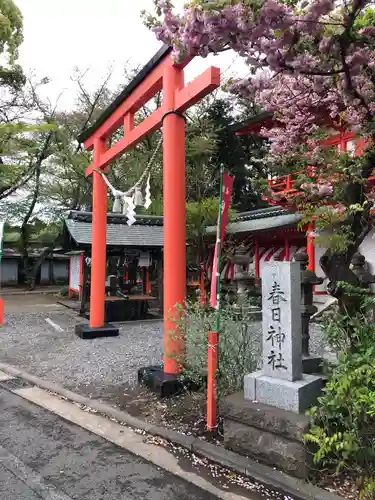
[
  {"x": 1, "y": 311},
  {"x": 174, "y": 220},
  {"x": 202, "y": 290},
  {"x": 99, "y": 242},
  {"x": 70, "y": 291},
  {"x": 311, "y": 246},
  {"x": 1, "y": 254},
  {"x": 287, "y": 250},
  {"x": 213, "y": 338},
  {"x": 81, "y": 283},
  {"x": 257, "y": 261},
  {"x": 147, "y": 281}
]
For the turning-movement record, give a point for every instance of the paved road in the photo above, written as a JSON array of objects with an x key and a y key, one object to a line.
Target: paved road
[
  {"x": 30, "y": 302},
  {"x": 45, "y": 457}
]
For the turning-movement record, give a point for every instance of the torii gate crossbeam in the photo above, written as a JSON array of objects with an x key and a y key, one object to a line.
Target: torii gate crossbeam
[{"x": 161, "y": 73}]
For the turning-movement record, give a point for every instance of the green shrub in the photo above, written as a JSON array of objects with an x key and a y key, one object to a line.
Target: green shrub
[
  {"x": 343, "y": 431},
  {"x": 64, "y": 291},
  {"x": 239, "y": 346}
]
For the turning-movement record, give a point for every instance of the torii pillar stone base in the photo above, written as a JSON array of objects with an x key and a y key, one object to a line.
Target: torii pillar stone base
[{"x": 87, "y": 332}]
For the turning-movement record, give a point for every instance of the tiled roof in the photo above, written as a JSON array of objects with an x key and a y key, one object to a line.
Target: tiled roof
[
  {"x": 262, "y": 213},
  {"x": 10, "y": 253},
  {"x": 147, "y": 231},
  {"x": 115, "y": 218},
  {"x": 260, "y": 220},
  {"x": 253, "y": 120}
]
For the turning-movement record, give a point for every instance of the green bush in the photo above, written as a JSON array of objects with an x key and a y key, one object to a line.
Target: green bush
[
  {"x": 343, "y": 431},
  {"x": 64, "y": 291},
  {"x": 238, "y": 351}
]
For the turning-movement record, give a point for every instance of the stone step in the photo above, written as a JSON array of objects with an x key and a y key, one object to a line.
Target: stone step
[{"x": 266, "y": 433}]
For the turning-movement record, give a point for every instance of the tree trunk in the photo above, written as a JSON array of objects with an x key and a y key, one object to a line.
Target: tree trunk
[
  {"x": 34, "y": 269},
  {"x": 29, "y": 272},
  {"x": 336, "y": 265},
  {"x": 24, "y": 268}
]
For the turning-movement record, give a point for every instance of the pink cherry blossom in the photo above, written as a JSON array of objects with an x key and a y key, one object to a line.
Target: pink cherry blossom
[
  {"x": 325, "y": 189},
  {"x": 339, "y": 208},
  {"x": 298, "y": 69}
]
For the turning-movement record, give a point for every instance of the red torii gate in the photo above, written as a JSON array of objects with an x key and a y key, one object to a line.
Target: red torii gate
[{"x": 161, "y": 73}]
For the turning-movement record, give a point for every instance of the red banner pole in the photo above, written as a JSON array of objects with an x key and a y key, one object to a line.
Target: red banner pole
[
  {"x": 213, "y": 338},
  {"x": 226, "y": 184}
]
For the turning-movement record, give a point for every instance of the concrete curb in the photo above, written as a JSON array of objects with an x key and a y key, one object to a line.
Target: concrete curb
[{"x": 296, "y": 488}]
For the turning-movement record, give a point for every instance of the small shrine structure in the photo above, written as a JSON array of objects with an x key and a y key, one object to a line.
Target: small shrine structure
[{"x": 132, "y": 253}]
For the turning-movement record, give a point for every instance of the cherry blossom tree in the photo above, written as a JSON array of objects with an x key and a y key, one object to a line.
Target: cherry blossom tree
[{"x": 312, "y": 65}]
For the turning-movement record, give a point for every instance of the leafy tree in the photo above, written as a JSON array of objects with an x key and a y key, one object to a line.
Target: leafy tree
[
  {"x": 11, "y": 36},
  {"x": 199, "y": 216},
  {"x": 66, "y": 187},
  {"x": 56, "y": 182},
  {"x": 26, "y": 152},
  {"x": 47, "y": 166},
  {"x": 236, "y": 154},
  {"x": 312, "y": 66},
  {"x": 11, "y": 83}
]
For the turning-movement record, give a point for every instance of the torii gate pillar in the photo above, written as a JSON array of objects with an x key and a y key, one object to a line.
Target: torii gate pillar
[
  {"x": 161, "y": 73},
  {"x": 174, "y": 220}
]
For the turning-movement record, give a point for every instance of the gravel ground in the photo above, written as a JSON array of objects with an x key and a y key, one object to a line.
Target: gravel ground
[{"x": 94, "y": 367}]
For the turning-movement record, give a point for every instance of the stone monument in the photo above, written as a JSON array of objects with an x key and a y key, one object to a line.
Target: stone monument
[{"x": 281, "y": 382}]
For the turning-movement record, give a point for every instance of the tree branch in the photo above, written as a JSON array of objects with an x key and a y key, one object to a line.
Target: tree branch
[{"x": 7, "y": 191}]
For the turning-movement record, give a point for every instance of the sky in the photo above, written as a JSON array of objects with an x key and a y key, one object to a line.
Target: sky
[{"x": 94, "y": 35}]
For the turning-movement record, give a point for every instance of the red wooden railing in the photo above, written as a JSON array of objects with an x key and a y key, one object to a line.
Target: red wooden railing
[{"x": 284, "y": 188}]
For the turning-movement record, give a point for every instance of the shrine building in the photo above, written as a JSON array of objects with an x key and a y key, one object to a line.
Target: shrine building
[
  {"x": 133, "y": 263},
  {"x": 275, "y": 231}
]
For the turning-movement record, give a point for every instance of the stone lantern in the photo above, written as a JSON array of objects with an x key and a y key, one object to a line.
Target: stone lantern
[
  {"x": 243, "y": 279},
  {"x": 310, "y": 364},
  {"x": 365, "y": 278}
]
